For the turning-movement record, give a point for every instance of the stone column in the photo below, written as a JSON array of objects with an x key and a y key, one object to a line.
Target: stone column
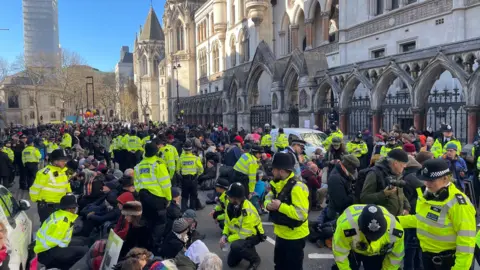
[
  {"x": 376, "y": 121},
  {"x": 294, "y": 29},
  {"x": 343, "y": 121},
  {"x": 279, "y": 114},
  {"x": 472, "y": 122},
  {"x": 325, "y": 25},
  {"x": 419, "y": 118},
  {"x": 309, "y": 33},
  {"x": 281, "y": 35}
]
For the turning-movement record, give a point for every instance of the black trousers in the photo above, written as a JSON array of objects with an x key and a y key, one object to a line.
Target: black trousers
[
  {"x": 45, "y": 210},
  {"x": 123, "y": 159},
  {"x": 155, "y": 213},
  {"x": 5, "y": 181},
  {"x": 31, "y": 172},
  {"x": 369, "y": 262},
  {"x": 64, "y": 258},
  {"x": 288, "y": 254},
  {"x": 189, "y": 192},
  {"x": 243, "y": 249},
  {"x": 23, "y": 176},
  {"x": 446, "y": 262}
]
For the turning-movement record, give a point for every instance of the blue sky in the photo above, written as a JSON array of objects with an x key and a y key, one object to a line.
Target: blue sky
[{"x": 95, "y": 29}]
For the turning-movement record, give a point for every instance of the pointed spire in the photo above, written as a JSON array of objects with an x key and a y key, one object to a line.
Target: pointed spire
[
  {"x": 152, "y": 29},
  {"x": 136, "y": 41}
]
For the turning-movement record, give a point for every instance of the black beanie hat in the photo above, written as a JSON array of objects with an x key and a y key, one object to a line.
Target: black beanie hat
[
  {"x": 398, "y": 155},
  {"x": 150, "y": 150}
]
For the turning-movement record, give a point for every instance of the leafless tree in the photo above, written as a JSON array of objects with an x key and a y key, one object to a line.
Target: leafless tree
[
  {"x": 5, "y": 68},
  {"x": 144, "y": 101},
  {"x": 128, "y": 105},
  {"x": 108, "y": 95}
]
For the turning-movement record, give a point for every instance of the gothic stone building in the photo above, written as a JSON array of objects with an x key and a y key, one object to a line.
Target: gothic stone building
[{"x": 372, "y": 63}]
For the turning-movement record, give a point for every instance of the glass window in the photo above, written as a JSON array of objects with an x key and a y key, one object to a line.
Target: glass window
[
  {"x": 409, "y": 46},
  {"x": 180, "y": 37},
  {"x": 52, "y": 100},
  {"x": 380, "y": 7},
  {"x": 378, "y": 53},
  {"x": 53, "y": 115},
  {"x": 216, "y": 59},
  {"x": 31, "y": 101},
  {"x": 314, "y": 139},
  {"x": 13, "y": 101},
  {"x": 8, "y": 203},
  {"x": 395, "y": 4},
  {"x": 32, "y": 115}
]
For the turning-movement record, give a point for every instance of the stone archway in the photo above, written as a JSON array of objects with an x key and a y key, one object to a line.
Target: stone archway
[
  {"x": 291, "y": 97},
  {"x": 325, "y": 104}
]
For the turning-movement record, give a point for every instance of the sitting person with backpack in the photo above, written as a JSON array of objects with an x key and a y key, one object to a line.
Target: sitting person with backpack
[{"x": 383, "y": 183}]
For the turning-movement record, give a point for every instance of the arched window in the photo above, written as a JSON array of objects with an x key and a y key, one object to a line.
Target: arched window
[
  {"x": 180, "y": 36},
  {"x": 156, "y": 63},
  {"x": 203, "y": 63},
  {"x": 53, "y": 115},
  {"x": 233, "y": 52},
  {"x": 245, "y": 49},
  {"x": 216, "y": 58},
  {"x": 32, "y": 115},
  {"x": 143, "y": 66},
  {"x": 13, "y": 101}
]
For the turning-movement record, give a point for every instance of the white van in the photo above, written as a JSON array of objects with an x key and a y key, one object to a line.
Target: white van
[
  {"x": 314, "y": 138},
  {"x": 19, "y": 228}
]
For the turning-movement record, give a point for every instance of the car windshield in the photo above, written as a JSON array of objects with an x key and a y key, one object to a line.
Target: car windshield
[{"x": 315, "y": 139}]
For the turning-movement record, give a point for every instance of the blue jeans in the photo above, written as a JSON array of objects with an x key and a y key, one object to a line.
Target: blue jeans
[{"x": 413, "y": 252}]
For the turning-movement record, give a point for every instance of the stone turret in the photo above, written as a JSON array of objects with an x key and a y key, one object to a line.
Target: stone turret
[
  {"x": 256, "y": 10},
  {"x": 220, "y": 18}
]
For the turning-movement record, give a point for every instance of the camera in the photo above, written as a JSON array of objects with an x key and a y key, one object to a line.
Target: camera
[{"x": 398, "y": 183}]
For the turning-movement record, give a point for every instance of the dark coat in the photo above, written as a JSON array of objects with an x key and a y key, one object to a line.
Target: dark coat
[
  {"x": 340, "y": 191},
  {"x": 137, "y": 236},
  {"x": 171, "y": 246},
  {"x": 173, "y": 212},
  {"x": 6, "y": 166},
  {"x": 209, "y": 173},
  {"x": 410, "y": 190},
  {"x": 233, "y": 154}
]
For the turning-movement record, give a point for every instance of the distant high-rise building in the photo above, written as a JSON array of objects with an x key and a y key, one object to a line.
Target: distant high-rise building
[{"x": 40, "y": 33}]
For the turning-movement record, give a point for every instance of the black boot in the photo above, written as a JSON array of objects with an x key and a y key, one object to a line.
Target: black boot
[{"x": 254, "y": 265}]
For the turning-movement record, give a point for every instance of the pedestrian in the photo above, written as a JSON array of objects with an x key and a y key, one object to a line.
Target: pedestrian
[
  {"x": 288, "y": 195},
  {"x": 368, "y": 235},
  {"x": 444, "y": 219},
  {"x": 6, "y": 167}
]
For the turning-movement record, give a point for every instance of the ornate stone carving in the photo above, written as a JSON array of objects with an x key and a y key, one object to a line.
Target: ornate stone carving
[
  {"x": 403, "y": 16},
  {"x": 303, "y": 100},
  {"x": 327, "y": 48},
  {"x": 471, "y": 2}
]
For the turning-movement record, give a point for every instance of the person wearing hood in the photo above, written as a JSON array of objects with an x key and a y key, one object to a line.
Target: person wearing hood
[
  {"x": 123, "y": 223},
  {"x": 413, "y": 253},
  {"x": 176, "y": 240},
  {"x": 383, "y": 185},
  {"x": 340, "y": 189},
  {"x": 233, "y": 152},
  {"x": 138, "y": 234}
]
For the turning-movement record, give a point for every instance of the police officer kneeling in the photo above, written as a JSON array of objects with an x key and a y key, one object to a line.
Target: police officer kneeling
[
  {"x": 243, "y": 228},
  {"x": 368, "y": 234},
  {"x": 445, "y": 220},
  {"x": 288, "y": 205},
  {"x": 54, "y": 244},
  {"x": 51, "y": 184}
]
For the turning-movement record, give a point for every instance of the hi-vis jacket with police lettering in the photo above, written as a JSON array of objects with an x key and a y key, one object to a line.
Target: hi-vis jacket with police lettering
[
  {"x": 50, "y": 185},
  {"x": 439, "y": 147},
  {"x": 447, "y": 225},
  {"x": 248, "y": 165},
  {"x": 281, "y": 141},
  {"x": 189, "y": 164},
  {"x": 31, "y": 154},
  {"x": 56, "y": 231},
  {"x": 152, "y": 175},
  {"x": 348, "y": 237},
  {"x": 298, "y": 210},
  {"x": 244, "y": 225},
  {"x": 133, "y": 143}
]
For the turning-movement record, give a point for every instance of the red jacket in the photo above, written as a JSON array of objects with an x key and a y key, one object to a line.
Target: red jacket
[
  {"x": 121, "y": 229},
  {"x": 313, "y": 180}
]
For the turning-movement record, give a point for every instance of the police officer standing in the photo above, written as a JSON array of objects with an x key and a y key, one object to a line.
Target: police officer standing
[
  {"x": 445, "y": 220},
  {"x": 30, "y": 157},
  {"x": 243, "y": 228},
  {"x": 288, "y": 205},
  {"x": 189, "y": 167},
  {"x": 166, "y": 154},
  {"x": 152, "y": 182},
  {"x": 66, "y": 142},
  {"x": 282, "y": 141},
  {"x": 54, "y": 243},
  {"x": 17, "y": 146},
  {"x": 266, "y": 141},
  {"x": 439, "y": 147},
  {"x": 134, "y": 148},
  {"x": 245, "y": 170},
  {"x": 50, "y": 185},
  {"x": 368, "y": 235}
]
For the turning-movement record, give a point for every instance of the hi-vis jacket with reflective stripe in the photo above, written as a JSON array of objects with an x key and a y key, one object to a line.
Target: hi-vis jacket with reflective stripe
[
  {"x": 337, "y": 133},
  {"x": 167, "y": 155},
  {"x": 439, "y": 147},
  {"x": 133, "y": 143},
  {"x": 348, "y": 237},
  {"x": 387, "y": 148},
  {"x": 50, "y": 185},
  {"x": 189, "y": 164},
  {"x": 281, "y": 141},
  {"x": 248, "y": 165},
  {"x": 119, "y": 145},
  {"x": 357, "y": 149},
  {"x": 152, "y": 175},
  {"x": 55, "y": 231},
  {"x": 51, "y": 146},
  {"x": 245, "y": 225},
  {"x": 31, "y": 154},
  {"x": 66, "y": 141},
  {"x": 298, "y": 210},
  {"x": 445, "y": 225},
  {"x": 266, "y": 140},
  {"x": 221, "y": 206},
  {"x": 175, "y": 153},
  {"x": 9, "y": 152}
]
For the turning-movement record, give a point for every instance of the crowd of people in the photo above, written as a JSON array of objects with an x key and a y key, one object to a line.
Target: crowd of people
[{"x": 389, "y": 200}]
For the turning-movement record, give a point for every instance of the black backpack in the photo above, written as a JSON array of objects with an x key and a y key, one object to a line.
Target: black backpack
[{"x": 362, "y": 175}]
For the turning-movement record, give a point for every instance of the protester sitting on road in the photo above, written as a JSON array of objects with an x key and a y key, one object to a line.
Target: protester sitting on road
[
  {"x": 176, "y": 240},
  {"x": 211, "y": 261},
  {"x": 173, "y": 210}
]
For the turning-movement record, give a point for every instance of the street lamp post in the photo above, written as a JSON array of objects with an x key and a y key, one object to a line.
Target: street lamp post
[{"x": 176, "y": 66}]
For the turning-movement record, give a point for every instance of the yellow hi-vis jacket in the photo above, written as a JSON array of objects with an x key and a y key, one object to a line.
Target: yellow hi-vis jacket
[
  {"x": 175, "y": 153},
  {"x": 445, "y": 225},
  {"x": 387, "y": 148},
  {"x": 221, "y": 207},
  {"x": 50, "y": 185},
  {"x": 266, "y": 140},
  {"x": 51, "y": 146},
  {"x": 153, "y": 176},
  {"x": 56, "y": 231},
  {"x": 189, "y": 164},
  {"x": 439, "y": 148},
  {"x": 66, "y": 141},
  {"x": 248, "y": 165},
  {"x": 167, "y": 155},
  {"x": 357, "y": 149},
  {"x": 328, "y": 141},
  {"x": 119, "y": 145},
  {"x": 281, "y": 141},
  {"x": 9, "y": 153},
  {"x": 298, "y": 210},
  {"x": 31, "y": 154},
  {"x": 244, "y": 226},
  {"x": 133, "y": 143},
  {"x": 348, "y": 237}
]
